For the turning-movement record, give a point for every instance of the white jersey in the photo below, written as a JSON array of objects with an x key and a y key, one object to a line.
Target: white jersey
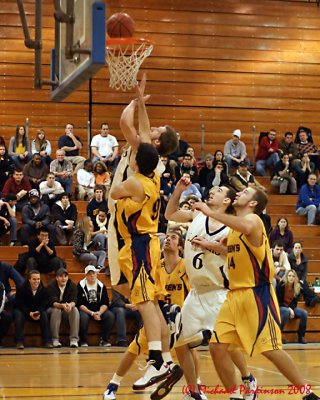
[{"x": 205, "y": 268}]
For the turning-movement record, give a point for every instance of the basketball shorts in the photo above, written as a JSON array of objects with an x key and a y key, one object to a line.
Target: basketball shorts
[
  {"x": 199, "y": 313},
  {"x": 250, "y": 319}
]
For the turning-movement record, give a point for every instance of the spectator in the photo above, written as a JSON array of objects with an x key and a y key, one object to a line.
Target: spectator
[
  {"x": 62, "y": 169},
  {"x": 19, "y": 186},
  {"x": 192, "y": 189},
  {"x": 5, "y": 316},
  {"x": 100, "y": 224},
  {"x": 71, "y": 145},
  {"x": 50, "y": 190},
  {"x": 102, "y": 176},
  {"x": 64, "y": 215},
  {"x": 176, "y": 156},
  {"x": 219, "y": 158},
  {"x": 235, "y": 151},
  {"x": 299, "y": 263},
  {"x": 305, "y": 147},
  {"x": 123, "y": 310},
  {"x": 309, "y": 199},
  {"x": 42, "y": 254},
  {"x": 267, "y": 155},
  {"x": 105, "y": 147},
  {"x": 6, "y": 165},
  {"x": 62, "y": 299},
  {"x": 187, "y": 167},
  {"x": 93, "y": 303},
  {"x": 190, "y": 150},
  {"x": 289, "y": 147},
  {"x": 35, "y": 215},
  {"x": 282, "y": 233},
  {"x": 36, "y": 171},
  {"x": 243, "y": 178},
  {"x": 42, "y": 146},
  {"x": 303, "y": 168},
  {"x": 281, "y": 263},
  {"x": 31, "y": 303},
  {"x": 82, "y": 243},
  {"x": 7, "y": 273},
  {"x": 85, "y": 181},
  {"x": 97, "y": 203},
  {"x": 288, "y": 291},
  {"x": 283, "y": 176},
  {"x": 205, "y": 171},
  {"x": 19, "y": 147},
  {"x": 8, "y": 220},
  {"x": 216, "y": 178}
]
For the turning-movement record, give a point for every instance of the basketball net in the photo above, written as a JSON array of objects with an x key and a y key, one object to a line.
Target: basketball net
[{"x": 124, "y": 58}]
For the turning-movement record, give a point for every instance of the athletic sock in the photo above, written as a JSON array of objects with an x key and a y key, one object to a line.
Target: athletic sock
[
  {"x": 156, "y": 356},
  {"x": 116, "y": 379},
  {"x": 167, "y": 357}
]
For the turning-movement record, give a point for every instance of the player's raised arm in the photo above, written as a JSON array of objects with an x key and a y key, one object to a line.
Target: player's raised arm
[
  {"x": 144, "y": 123},
  {"x": 127, "y": 125},
  {"x": 172, "y": 211}
]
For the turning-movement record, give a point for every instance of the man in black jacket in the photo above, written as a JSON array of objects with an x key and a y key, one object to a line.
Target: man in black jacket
[
  {"x": 62, "y": 299},
  {"x": 64, "y": 214}
]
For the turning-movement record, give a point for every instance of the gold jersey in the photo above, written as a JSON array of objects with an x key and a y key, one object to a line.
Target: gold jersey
[{"x": 248, "y": 266}]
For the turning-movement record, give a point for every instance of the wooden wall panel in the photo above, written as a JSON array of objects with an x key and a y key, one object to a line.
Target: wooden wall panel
[{"x": 223, "y": 64}]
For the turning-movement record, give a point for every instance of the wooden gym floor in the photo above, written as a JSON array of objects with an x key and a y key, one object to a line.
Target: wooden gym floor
[{"x": 76, "y": 374}]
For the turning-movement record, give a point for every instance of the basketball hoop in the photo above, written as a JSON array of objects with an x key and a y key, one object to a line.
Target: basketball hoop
[{"x": 124, "y": 58}]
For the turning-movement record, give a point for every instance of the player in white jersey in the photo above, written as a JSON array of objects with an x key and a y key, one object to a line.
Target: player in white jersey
[{"x": 205, "y": 257}]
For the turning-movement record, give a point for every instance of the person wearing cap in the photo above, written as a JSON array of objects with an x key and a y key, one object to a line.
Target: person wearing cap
[
  {"x": 35, "y": 215},
  {"x": 267, "y": 156},
  {"x": 18, "y": 185},
  {"x": 93, "y": 304},
  {"x": 205, "y": 170},
  {"x": 64, "y": 215},
  {"x": 8, "y": 220},
  {"x": 187, "y": 166},
  {"x": 243, "y": 178},
  {"x": 235, "y": 151},
  {"x": 62, "y": 299}
]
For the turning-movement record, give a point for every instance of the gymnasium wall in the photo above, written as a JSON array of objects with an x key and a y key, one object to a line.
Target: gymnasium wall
[{"x": 223, "y": 64}]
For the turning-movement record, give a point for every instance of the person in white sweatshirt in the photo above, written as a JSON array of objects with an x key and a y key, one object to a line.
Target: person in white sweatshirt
[{"x": 85, "y": 181}]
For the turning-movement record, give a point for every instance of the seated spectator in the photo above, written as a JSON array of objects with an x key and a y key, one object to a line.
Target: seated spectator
[
  {"x": 190, "y": 150},
  {"x": 35, "y": 215},
  {"x": 205, "y": 170},
  {"x": 5, "y": 316},
  {"x": 93, "y": 303},
  {"x": 64, "y": 215},
  {"x": 18, "y": 185},
  {"x": 63, "y": 296},
  {"x": 50, "y": 190},
  {"x": 192, "y": 189},
  {"x": 219, "y": 158},
  {"x": 31, "y": 304},
  {"x": 100, "y": 224},
  {"x": 299, "y": 263},
  {"x": 167, "y": 174},
  {"x": 303, "y": 168},
  {"x": 309, "y": 199},
  {"x": 85, "y": 181},
  {"x": 7, "y": 273},
  {"x": 267, "y": 156},
  {"x": 289, "y": 147},
  {"x": 97, "y": 203},
  {"x": 8, "y": 222},
  {"x": 19, "y": 147},
  {"x": 42, "y": 146},
  {"x": 62, "y": 169},
  {"x": 281, "y": 263},
  {"x": 216, "y": 178},
  {"x": 71, "y": 144},
  {"x": 305, "y": 147},
  {"x": 288, "y": 291},
  {"x": 175, "y": 158},
  {"x": 243, "y": 178},
  {"x": 282, "y": 233},
  {"x": 235, "y": 151},
  {"x": 83, "y": 242},
  {"x": 123, "y": 310},
  {"x": 283, "y": 176},
  {"x": 105, "y": 147},
  {"x": 36, "y": 171},
  {"x": 6, "y": 165},
  {"x": 187, "y": 166},
  {"x": 42, "y": 254},
  {"x": 102, "y": 176}
]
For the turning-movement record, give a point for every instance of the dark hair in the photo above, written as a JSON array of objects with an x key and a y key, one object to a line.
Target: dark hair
[
  {"x": 168, "y": 141},
  {"x": 33, "y": 271},
  {"x": 24, "y": 138},
  {"x": 279, "y": 219},
  {"x": 42, "y": 229},
  {"x": 231, "y": 194},
  {"x": 278, "y": 243},
  {"x": 17, "y": 169},
  {"x": 177, "y": 232},
  {"x": 88, "y": 161},
  {"x": 188, "y": 155},
  {"x": 69, "y": 123},
  {"x": 288, "y": 134},
  {"x": 261, "y": 198},
  {"x": 104, "y": 123},
  {"x": 183, "y": 203},
  {"x": 147, "y": 158},
  {"x": 99, "y": 187},
  {"x": 103, "y": 165}
]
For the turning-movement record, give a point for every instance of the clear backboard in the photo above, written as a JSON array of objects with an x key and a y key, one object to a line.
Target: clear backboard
[{"x": 80, "y": 44}]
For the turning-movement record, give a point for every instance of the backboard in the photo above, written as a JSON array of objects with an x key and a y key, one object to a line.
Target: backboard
[{"x": 80, "y": 44}]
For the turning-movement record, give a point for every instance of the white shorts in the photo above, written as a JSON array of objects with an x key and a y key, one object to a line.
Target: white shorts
[{"x": 199, "y": 313}]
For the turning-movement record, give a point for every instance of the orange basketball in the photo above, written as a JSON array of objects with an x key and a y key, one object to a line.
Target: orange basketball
[{"x": 120, "y": 25}]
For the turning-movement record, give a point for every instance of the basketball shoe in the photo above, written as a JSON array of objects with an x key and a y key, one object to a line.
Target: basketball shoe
[
  {"x": 165, "y": 387},
  {"x": 110, "y": 393},
  {"x": 151, "y": 376},
  {"x": 250, "y": 384}
]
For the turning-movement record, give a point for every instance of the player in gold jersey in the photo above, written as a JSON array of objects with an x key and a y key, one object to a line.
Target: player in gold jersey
[{"x": 250, "y": 316}]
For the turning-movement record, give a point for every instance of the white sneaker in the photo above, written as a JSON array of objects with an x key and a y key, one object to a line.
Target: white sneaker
[
  {"x": 84, "y": 344},
  {"x": 250, "y": 385},
  {"x": 110, "y": 393},
  {"x": 165, "y": 387},
  {"x": 56, "y": 344},
  {"x": 151, "y": 376},
  {"x": 74, "y": 343}
]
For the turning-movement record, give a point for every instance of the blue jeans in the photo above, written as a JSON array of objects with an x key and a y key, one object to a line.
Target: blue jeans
[
  {"x": 66, "y": 183},
  {"x": 107, "y": 321},
  {"x": 121, "y": 315},
  {"x": 270, "y": 162},
  {"x": 299, "y": 313},
  {"x": 19, "y": 319},
  {"x": 311, "y": 212}
]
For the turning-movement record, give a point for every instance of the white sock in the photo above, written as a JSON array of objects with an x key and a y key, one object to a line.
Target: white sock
[
  {"x": 116, "y": 379},
  {"x": 167, "y": 357},
  {"x": 155, "y": 345}
]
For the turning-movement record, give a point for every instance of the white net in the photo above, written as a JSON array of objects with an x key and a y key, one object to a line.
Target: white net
[{"x": 124, "y": 61}]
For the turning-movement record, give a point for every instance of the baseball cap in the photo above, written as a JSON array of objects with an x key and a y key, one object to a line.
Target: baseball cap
[
  {"x": 61, "y": 271},
  {"x": 237, "y": 133},
  {"x": 90, "y": 268},
  {"x": 10, "y": 196},
  {"x": 34, "y": 193},
  {"x": 242, "y": 164}
]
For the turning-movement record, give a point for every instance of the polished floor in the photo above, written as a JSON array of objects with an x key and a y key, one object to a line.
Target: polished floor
[{"x": 82, "y": 374}]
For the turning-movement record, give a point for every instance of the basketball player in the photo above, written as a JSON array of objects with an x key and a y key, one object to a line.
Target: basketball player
[
  {"x": 205, "y": 264},
  {"x": 172, "y": 286},
  {"x": 164, "y": 138},
  {"x": 250, "y": 316}
]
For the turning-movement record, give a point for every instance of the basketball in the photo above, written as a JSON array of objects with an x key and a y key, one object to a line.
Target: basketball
[{"x": 120, "y": 25}]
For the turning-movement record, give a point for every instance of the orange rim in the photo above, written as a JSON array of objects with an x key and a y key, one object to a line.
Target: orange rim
[{"x": 110, "y": 42}]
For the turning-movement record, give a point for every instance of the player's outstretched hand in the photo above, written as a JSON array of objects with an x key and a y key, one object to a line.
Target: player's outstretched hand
[
  {"x": 140, "y": 88},
  {"x": 183, "y": 184},
  {"x": 200, "y": 206}
]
